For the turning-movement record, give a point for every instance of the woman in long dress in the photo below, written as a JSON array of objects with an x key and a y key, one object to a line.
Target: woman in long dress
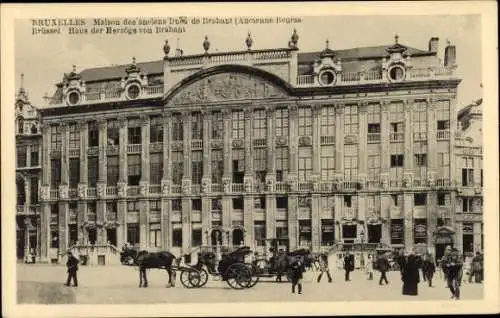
[{"x": 410, "y": 276}]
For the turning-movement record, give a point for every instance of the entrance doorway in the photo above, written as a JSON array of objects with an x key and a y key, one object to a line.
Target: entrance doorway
[
  {"x": 440, "y": 250},
  {"x": 111, "y": 236},
  {"x": 374, "y": 233},
  {"x": 216, "y": 237},
  {"x": 238, "y": 237}
]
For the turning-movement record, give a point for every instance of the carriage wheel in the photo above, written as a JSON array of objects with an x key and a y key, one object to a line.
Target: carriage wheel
[
  {"x": 244, "y": 277},
  {"x": 254, "y": 278},
  {"x": 232, "y": 276},
  {"x": 188, "y": 280},
  {"x": 203, "y": 277}
]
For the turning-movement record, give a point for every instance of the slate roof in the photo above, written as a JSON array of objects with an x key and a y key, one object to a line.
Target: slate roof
[{"x": 156, "y": 67}]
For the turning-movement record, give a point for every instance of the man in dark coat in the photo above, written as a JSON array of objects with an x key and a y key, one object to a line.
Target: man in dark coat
[
  {"x": 428, "y": 269},
  {"x": 410, "y": 276},
  {"x": 477, "y": 267},
  {"x": 298, "y": 270},
  {"x": 383, "y": 266},
  {"x": 72, "y": 266},
  {"x": 348, "y": 265},
  {"x": 453, "y": 264}
]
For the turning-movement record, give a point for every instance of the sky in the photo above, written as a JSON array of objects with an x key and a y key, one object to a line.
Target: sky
[{"x": 44, "y": 59}]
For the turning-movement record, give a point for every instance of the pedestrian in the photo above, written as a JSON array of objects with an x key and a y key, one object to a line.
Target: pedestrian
[
  {"x": 323, "y": 267},
  {"x": 72, "y": 266},
  {"x": 369, "y": 267},
  {"x": 443, "y": 262},
  {"x": 348, "y": 265},
  {"x": 477, "y": 267},
  {"x": 383, "y": 266},
  {"x": 428, "y": 268},
  {"x": 298, "y": 270},
  {"x": 468, "y": 270},
  {"x": 453, "y": 265},
  {"x": 410, "y": 276}
]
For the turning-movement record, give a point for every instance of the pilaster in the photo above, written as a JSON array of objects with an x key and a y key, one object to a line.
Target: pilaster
[
  {"x": 316, "y": 222},
  {"x": 293, "y": 222},
  {"x": 339, "y": 138},
  {"x": 431, "y": 135},
  {"x": 248, "y": 221},
  {"x": 206, "y": 217},
  {"x": 385, "y": 129},
  {"x": 338, "y": 217},
  {"x": 45, "y": 154},
  {"x": 477, "y": 236},
  {"x": 207, "y": 154},
  {"x": 44, "y": 231},
  {"x": 248, "y": 177},
  {"x": 408, "y": 144},
  {"x": 271, "y": 142},
  {"x": 100, "y": 220},
  {"x": 385, "y": 213},
  {"x": 316, "y": 133},
  {"x": 63, "y": 226},
  {"x": 228, "y": 167},
  {"x": 270, "y": 216},
  {"x": 64, "y": 154},
  {"x": 167, "y": 159},
  {"x": 227, "y": 208},
  {"x": 408, "y": 220},
  {"x": 123, "y": 150},
  {"x": 362, "y": 138},
  {"x": 103, "y": 143},
  {"x": 143, "y": 224},
  {"x": 121, "y": 230},
  {"x": 84, "y": 135},
  {"x": 186, "y": 224},
  {"x": 432, "y": 214},
  {"x": 186, "y": 125},
  {"x": 293, "y": 147},
  {"x": 165, "y": 223},
  {"x": 81, "y": 218},
  {"x": 453, "y": 130},
  {"x": 145, "y": 132}
]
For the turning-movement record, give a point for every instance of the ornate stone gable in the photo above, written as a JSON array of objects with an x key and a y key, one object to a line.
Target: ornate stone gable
[{"x": 227, "y": 86}]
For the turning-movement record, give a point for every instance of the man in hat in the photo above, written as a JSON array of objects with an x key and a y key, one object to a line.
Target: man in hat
[{"x": 72, "y": 266}]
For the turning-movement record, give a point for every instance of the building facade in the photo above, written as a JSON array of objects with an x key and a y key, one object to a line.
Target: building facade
[
  {"x": 315, "y": 149},
  {"x": 28, "y": 176},
  {"x": 469, "y": 158}
]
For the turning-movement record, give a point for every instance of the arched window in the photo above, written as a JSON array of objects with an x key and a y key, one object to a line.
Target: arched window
[
  {"x": 20, "y": 125},
  {"x": 238, "y": 237}
]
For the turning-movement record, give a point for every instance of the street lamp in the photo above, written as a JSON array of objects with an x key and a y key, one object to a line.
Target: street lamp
[{"x": 362, "y": 234}]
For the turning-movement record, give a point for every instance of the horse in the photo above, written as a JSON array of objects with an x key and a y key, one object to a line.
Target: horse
[
  {"x": 147, "y": 260},
  {"x": 282, "y": 261}
]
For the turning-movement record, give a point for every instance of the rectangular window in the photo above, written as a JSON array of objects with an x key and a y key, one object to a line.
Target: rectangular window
[
  {"x": 74, "y": 172},
  {"x": 443, "y": 110},
  {"x": 177, "y": 167},
  {"x": 373, "y": 201},
  {"x": 34, "y": 190},
  {"x": 396, "y": 199},
  {"x": 133, "y": 233},
  {"x": 35, "y": 159},
  {"x": 196, "y": 204},
  {"x": 177, "y": 237},
  {"x": 282, "y": 122},
  {"x": 259, "y": 203},
  {"x": 351, "y": 120},
  {"x": 113, "y": 132},
  {"x": 55, "y": 138},
  {"x": 467, "y": 171},
  {"x": 467, "y": 205},
  {"x": 305, "y": 121},
  {"x": 74, "y": 136},
  {"x": 134, "y": 169},
  {"x": 238, "y": 124},
  {"x": 305, "y": 163},
  {"x": 217, "y": 126},
  {"x": 112, "y": 170},
  {"x": 196, "y": 167},
  {"x": 397, "y": 231},
  {"x": 217, "y": 166},
  {"x": 443, "y": 165},
  {"x": 328, "y": 121},
  {"x": 154, "y": 235},
  {"x": 177, "y": 128},
  {"x": 420, "y": 199},
  {"x": 196, "y": 126},
  {"x": 347, "y": 201},
  {"x": 238, "y": 203},
  {"x": 374, "y": 165},
  {"x": 216, "y": 204},
  {"x": 21, "y": 156},
  {"x": 156, "y": 129},
  {"x": 282, "y": 203},
  {"x": 373, "y": 115},
  {"x": 281, "y": 163},
  {"x": 420, "y": 160},
  {"x": 176, "y": 205},
  {"x": 259, "y": 124},
  {"x": 93, "y": 134},
  {"x": 350, "y": 163},
  {"x": 420, "y": 231},
  {"x": 397, "y": 160},
  {"x": 155, "y": 168},
  {"x": 419, "y": 120},
  {"x": 238, "y": 161},
  {"x": 260, "y": 160},
  {"x": 444, "y": 199},
  {"x": 305, "y": 233},
  {"x": 134, "y": 135},
  {"x": 196, "y": 237},
  {"x": 55, "y": 168},
  {"x": 260, "y": 232},
  {"x": 327, "y": 163},
  {"x": 93, "y": 171},
  {"x": 373, "y": 128}
]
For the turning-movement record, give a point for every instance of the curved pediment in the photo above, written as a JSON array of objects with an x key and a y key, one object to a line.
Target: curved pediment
[{"x": 237, "y": 83}]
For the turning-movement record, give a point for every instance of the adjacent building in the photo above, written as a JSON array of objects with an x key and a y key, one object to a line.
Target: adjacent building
[{"x": 325, "y": 150}]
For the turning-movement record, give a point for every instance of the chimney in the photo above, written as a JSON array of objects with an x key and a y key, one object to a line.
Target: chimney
[
  {"x": 450, "y": 55},
  {"x": 433, "y": 45}
]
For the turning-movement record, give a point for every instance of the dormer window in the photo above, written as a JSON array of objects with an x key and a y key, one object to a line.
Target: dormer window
[
  {"x": 396, "y": 73},
  {"x": 73, "y": 98},
  {"x": 326, "y": 77},
  {"x": 133, "y": 91}
]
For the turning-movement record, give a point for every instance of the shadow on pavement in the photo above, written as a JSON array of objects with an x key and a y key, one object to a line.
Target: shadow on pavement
[{"x": 44, "y": 293}]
